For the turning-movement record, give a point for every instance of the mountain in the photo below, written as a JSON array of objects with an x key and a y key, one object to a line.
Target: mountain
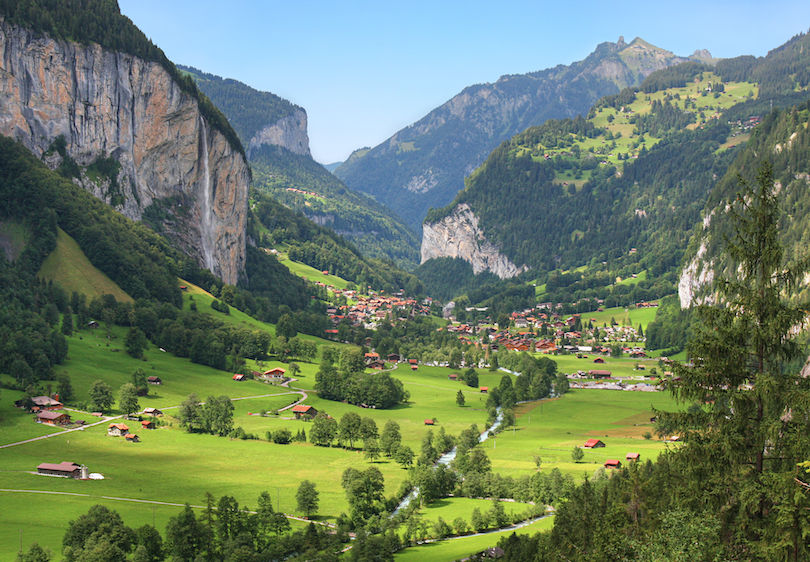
[
  {"x": 424, "y": 165},
  {"x": 275, "y": 132},
  {"x": 86, "y": 91},
  {"x": 622, "y": 190}
]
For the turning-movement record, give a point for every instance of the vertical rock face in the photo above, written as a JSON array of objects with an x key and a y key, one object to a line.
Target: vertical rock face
[
  {"x": 289, "y": 132},
  {"x": 109, "y": 104},
  {"x": 458, "y": 236}
]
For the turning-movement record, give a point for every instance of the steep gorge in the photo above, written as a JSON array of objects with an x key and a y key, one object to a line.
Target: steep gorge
[{"x": 171, "y": 163}]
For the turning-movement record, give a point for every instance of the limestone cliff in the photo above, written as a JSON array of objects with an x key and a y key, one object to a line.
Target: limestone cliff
[
  {"x": 289, "y": 132},
  {"x": 109, "y": 104},
  {"x": 458, "y": 236}
]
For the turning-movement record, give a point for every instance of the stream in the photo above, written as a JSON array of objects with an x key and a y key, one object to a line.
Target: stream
[{"x": 448, "y": 457}]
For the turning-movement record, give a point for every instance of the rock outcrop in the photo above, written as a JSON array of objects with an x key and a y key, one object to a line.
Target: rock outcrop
[
  {"x": 289, "y": 132},
  {"x": 458, "y": 236},
  {"x": 110, "y": 104}
]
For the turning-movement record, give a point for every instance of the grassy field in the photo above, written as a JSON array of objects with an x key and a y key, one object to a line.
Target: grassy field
[
  {"x": 618, "y": 366},
  {"x": 68, "y": 265},
  {"x": 312, "y": 274},
  {"x": 170, "y": 465},
  {"x": 624, "y": 316},
  {"x": 462, "y": 547},
  {"x": 551, "y": 429}
]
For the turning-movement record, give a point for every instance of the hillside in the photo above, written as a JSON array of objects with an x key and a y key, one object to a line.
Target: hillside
[
  {"x": 620, "y": 189},
  {"x": 275, "y": 133},
  {"x": 424, "y": 165}
]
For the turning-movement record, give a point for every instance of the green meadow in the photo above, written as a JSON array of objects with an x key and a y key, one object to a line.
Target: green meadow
[
  {"x": 550, "y": 429},
  {"x": 461, "y": 547},
  {"x": 175, "y": 467},
  {"x": 68, "y": 265}
]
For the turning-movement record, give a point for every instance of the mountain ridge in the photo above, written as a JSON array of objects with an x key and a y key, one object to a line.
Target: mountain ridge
[{"x": 424, "y": 164}]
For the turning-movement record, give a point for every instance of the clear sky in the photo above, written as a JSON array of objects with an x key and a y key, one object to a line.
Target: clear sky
[{"x": 363, "y": 70}]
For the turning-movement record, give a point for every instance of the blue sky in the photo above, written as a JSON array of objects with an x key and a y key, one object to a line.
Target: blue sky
[{"x": 363, "y": 70}]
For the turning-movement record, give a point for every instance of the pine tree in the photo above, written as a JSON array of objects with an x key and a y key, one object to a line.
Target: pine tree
[{"x": 751, "y": 431}]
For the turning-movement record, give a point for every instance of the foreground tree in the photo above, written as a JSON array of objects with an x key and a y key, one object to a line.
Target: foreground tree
[
  {"x": 102, "y": 395},
  {"x": 128, "y": 398},
  {"x": 749, "y": 438},
  {"x": 307, "y": 498}
]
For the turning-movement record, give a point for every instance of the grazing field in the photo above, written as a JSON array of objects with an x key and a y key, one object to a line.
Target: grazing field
[
  {"x": 618, "y": 366},
  {"x": 170, "y": 465},
  {"x": 552, "y": 428},
  {"x": 462, "y": 547},
  {"x": 68, "y": 265}
]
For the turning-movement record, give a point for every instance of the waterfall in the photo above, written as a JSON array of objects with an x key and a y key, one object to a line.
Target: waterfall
[{"x": 207, "y": 236}]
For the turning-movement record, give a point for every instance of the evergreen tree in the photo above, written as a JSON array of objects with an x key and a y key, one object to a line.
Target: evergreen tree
[{"x": 752, "y": 434}]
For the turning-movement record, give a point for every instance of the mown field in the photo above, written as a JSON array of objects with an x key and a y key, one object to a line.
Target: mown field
[{"x": 170, "y": 465}]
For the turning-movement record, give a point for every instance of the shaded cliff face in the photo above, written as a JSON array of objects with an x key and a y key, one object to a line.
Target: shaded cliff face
[
  {"x": 289, "y": 132},
  {"x": 458, "y": 236},
  {"x": 172, "y": 163}
]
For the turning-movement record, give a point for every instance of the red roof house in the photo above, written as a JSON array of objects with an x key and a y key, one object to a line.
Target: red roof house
[
  {"x": 117, "y": 429},
  {"x": 613, "y": 463},
  {"x": 593, "y": 444},
  {"x": 301, "y": 411},
  {"x": 633, "y": 456}
]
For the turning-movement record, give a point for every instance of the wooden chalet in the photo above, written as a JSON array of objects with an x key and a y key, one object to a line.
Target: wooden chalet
[
  {"x": 593, "y": 444},
  {"x": 598, "y": 360},
  {"x": 46, "y": 403},
  {"x": 147, "y": 424},
  {"x": 239, "y": 377},
  {"x": 633, "y": 457},
  {"x": 453, "y": 376},
  {"x": 613, "y": 463},
  {"x": 376, "y": 364},
  {"x": 484, "y": 389},
  {"x": 53, "y": 418},
  {"x": 132, "y": 438},
  {"x": 599, "y": 374},
  {"x": 394, "y": 358},
  {"x": 64, "y": 469},
  {"x": 117, "y": 429},
  {"x": 152, "y": 411},
  {"x": 429, "y": 422},
  {"x": 302, "y": 411},
  {"x": 153, "y": 380}
]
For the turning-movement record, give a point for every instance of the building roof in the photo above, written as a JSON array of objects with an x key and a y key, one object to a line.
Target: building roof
[
  {"x": 120, "y": 426},
  {"x": 48, "y": 415},
  {"x": 593, "y": 443},
  {"x": 302, "y": 409},
  {"x": 275, "y": 371},
  {"x": 45, "y": 401},
  {"x": 64, "y": 466},
  {"x": 611, "y": 463},
  {"x": 633, "y": 456}
]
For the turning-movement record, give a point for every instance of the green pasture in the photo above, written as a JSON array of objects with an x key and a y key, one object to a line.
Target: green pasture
[
  {"x": 550, "y": 429},
  {"x": 708, "y": 105},
  {"x": 68, "y": 265},
  {"x": 314, "y": 275},
  {"x": 623, "y": 316},
  {"x": 461, "y": 547},
  {"x": 17, "y": 515},
  {"x": 619, "y": 366},
  {"x": 451, "y": 508}
]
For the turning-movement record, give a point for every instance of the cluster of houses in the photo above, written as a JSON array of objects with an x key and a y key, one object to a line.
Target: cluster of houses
[
  {"x": 610, "y": 463},
  {"x": 302, "y": 192},
  {"x": 369, "y": 311},
  {"x": 47, "y": 410},
  {"x": 122, "y": 430}
]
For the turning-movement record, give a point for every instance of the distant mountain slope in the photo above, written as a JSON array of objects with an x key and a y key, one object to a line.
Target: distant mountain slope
[
  {"x": 424, "y": 165},
  {"x": 626, "y": 187},
  {"x": 275, "y": 132}
]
